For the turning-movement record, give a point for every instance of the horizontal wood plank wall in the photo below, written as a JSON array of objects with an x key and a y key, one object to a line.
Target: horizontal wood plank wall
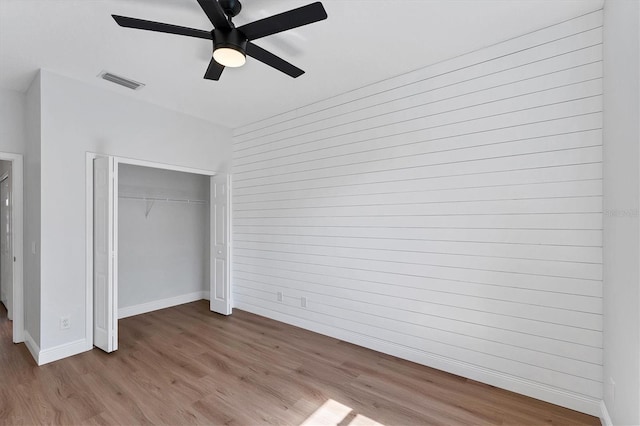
[{"x": 454, "y": 212}]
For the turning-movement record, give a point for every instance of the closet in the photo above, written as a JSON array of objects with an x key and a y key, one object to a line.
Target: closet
[
  {"x": 158, "y": 237},
  {"x": 163, "y": 238}
]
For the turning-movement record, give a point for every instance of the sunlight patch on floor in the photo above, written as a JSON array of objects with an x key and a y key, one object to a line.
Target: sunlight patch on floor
[
  {"x": 361, "y": 420},
  {"x": 334, "y": 413}
]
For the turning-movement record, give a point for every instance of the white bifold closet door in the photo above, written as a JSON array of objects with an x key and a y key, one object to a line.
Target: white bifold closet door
[
  {"x": 219, "y": 240},
  {"x": 105, "y": 253},
  {"x": 105, "y": 309}
]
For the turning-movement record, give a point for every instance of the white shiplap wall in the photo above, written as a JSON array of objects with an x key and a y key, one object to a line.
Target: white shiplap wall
[{"x": 451, "y": 215}]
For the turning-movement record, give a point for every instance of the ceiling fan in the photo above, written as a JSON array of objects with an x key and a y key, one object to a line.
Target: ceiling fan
[{"x": 231, "y": 45}]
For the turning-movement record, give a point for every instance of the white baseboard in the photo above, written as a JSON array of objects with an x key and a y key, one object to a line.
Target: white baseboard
[
  {"x": 63, "y": 351},
  {"x": 546, "y": 393},
  {"x": 34, "y": 349},
  {"x": 155, "y": 305},
  {"x": 605, "y": 419}
]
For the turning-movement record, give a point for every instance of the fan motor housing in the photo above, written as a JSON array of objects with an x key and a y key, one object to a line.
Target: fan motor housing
[{"x": 230, "y": 38}]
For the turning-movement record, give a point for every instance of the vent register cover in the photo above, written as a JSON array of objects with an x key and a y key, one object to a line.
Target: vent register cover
[{"x": 122, "y": 81}]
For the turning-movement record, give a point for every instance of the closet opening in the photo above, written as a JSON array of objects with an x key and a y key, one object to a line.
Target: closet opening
[{"x": 159, "y": 238}]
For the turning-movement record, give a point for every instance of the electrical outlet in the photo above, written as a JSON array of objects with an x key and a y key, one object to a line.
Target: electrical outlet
[
  {"x": 65, "y": 323},
  {"x": 280, "y": 296},
  {"x": 303, "y": 302}
]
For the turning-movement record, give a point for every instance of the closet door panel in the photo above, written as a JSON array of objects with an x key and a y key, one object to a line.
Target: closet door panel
[
  {"x": 104, "y": 293},
  {"x": 220, "y": 283}
]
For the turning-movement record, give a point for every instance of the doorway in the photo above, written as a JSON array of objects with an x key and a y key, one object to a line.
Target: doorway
[
  {"x": 103, "y": 198},
  {"x": 11, "y": 254},
  {"x": 6, "y": 239}
]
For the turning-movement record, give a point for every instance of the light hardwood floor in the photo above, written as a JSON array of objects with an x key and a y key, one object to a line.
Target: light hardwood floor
[{"x": 185, "y": 365}]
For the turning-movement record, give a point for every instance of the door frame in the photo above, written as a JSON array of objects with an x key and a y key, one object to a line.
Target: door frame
[
  {"x": 17, "y": 188},
  {"x": 90, "y": 156}
]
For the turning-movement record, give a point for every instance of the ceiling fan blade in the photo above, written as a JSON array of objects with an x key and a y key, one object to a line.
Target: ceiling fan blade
[
  {"x": 272, "y": 60},
  {"x": 294, "y": 18},
  {"x": 215, "y": 13},
  {"x": 214, "y": 71},
  {"x": 141, "y": 24}
]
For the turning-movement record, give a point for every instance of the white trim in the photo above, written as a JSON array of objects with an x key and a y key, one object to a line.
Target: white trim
[
  {"x": 33, "y": 347},
  {"x": 62, "y": 351},
  {"x": 540, "y": 391},
  {"x": 605, "y": 419},
  {"x": 89, "y": 248},
  {"x": 17, "y": 191},
  {"x": 152, "y": 164},
  {"x": 155, "y": 305},
  {"x": 230, "y": 242},
  {"x": 114, "y": 252}
]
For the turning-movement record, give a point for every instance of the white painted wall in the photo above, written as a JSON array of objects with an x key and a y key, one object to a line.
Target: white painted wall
[
  {"x": 451, "y": 216},
  {"x": 32, "y": 213},
  {"x": 164, "y": 254},
  {"x": 12, "y": 121},
  {"x": 621, "y": 204},
  {"x": 77, "y": 118}
]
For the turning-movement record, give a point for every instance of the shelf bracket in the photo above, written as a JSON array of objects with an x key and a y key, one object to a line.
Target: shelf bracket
[{"x": 150, "y": 204}]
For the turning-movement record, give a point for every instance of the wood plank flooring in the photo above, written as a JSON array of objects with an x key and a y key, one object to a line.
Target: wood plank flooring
[{"x": 185, "y": 365}]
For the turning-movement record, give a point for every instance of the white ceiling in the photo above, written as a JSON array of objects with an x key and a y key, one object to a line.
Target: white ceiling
[{"x": 362, "y": 41}]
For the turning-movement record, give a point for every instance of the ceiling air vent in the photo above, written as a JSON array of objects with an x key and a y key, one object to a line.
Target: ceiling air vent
[{"x": 122, "y": 81}]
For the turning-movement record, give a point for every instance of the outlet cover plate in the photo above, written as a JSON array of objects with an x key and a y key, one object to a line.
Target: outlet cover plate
[{"x": 65, "y": 323}]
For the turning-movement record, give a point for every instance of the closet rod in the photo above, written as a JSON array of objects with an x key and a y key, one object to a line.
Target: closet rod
[{"x": 170, "y": 200}]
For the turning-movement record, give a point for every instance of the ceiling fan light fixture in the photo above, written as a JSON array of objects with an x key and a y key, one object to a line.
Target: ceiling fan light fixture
[
  {"x": 229, "y": 57},
  {"x": 229, "y": 48}
]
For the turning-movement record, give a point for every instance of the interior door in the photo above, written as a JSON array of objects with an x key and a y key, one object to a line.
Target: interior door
[
  {"x": 219, "y": 276},
  {"x": 6, "y": 251},
  {"x": 105, "y": 318}
]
